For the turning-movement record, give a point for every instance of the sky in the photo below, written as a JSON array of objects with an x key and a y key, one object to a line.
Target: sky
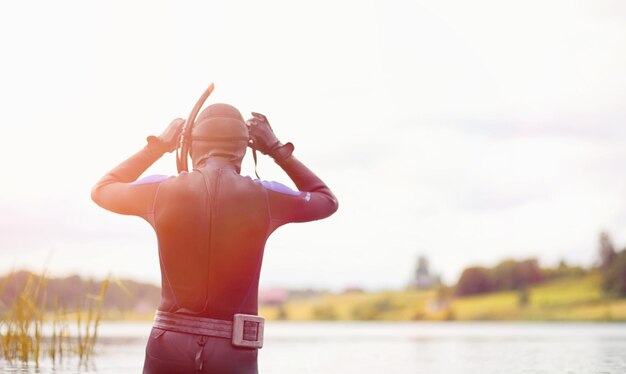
[{"x": 464, "y": 131}]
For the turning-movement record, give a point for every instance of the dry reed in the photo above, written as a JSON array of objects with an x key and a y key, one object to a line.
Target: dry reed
[{"x": 22, "y": 323}]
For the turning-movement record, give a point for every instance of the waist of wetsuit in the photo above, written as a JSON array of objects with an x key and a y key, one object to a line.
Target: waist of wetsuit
[{"x": 244, "y": 330}]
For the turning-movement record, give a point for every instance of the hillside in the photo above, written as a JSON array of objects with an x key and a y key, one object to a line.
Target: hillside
[
  {"x": 565, "y": 299},
  {"x": 123, "y": 297}
]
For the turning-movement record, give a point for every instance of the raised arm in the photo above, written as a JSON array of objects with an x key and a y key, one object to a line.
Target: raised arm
[
  {"x": 118, "y": 190},
  {"x": 314, "y": 200}
]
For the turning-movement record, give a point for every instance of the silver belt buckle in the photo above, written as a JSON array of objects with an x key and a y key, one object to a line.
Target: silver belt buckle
[{"x": 248, "y": 330}]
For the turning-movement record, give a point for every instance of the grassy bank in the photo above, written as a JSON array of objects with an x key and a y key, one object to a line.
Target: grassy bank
[{"x": 566, "y": 299}]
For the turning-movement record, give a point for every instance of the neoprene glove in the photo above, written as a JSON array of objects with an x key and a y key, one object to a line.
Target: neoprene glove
[{"x": 262, "y": 137}]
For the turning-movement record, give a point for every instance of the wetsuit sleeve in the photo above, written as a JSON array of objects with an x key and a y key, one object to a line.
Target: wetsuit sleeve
[
  {"x": 313, "y": 201},
  {"x": 118, "y": 190}
]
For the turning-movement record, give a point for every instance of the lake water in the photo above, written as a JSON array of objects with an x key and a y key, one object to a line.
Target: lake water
[{"x": 380, "y": 347}]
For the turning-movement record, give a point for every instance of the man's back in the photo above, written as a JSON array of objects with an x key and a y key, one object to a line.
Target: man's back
[{"x": 211, "y": 226}]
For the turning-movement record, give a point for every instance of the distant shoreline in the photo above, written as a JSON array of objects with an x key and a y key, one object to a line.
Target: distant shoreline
[{"x": 568, "y": 299}]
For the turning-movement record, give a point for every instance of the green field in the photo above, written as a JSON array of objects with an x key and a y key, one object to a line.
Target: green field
[{"x": 565, "y": 299}]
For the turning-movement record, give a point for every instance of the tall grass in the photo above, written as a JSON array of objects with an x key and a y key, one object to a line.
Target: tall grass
[{"x": 22, "y": 322}]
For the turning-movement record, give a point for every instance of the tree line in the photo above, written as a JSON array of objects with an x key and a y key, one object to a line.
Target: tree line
[
  {"x": 121, "y": 295},
  {"x": 520, "y": 274}
]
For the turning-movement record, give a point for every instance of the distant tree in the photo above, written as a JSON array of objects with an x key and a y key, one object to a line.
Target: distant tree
[
  {"x": 515, "y": 275},
  {"x": 614, "y": 277},
  {"x": 613, "y": 266},
  {"x": 474, "y": 280},
  {"x": 422, "y": 267},
  {"x": 423, "y": 279},
  {"x": 527, "y": 272},
  {"x": 505, "y": 275},
  {"x": 606, "y": 250}
]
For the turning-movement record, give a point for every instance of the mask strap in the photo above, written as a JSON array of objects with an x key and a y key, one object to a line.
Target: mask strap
[
  {"x": 255, "y": 162},
  {"x": 219, "y": 138}
]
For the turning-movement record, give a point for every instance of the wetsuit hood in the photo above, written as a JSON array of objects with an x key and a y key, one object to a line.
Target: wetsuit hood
[{"x": 219, "y": 132}]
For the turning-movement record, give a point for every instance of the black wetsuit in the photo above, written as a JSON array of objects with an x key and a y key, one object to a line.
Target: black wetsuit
[{"x": 211, "y": 225}]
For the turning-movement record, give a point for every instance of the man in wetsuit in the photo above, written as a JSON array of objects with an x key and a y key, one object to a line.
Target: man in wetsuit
[{"x": 212, "y": 225}]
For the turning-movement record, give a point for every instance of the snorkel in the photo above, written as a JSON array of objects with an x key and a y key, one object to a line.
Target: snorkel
[{"x": 185, "y": 139}]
